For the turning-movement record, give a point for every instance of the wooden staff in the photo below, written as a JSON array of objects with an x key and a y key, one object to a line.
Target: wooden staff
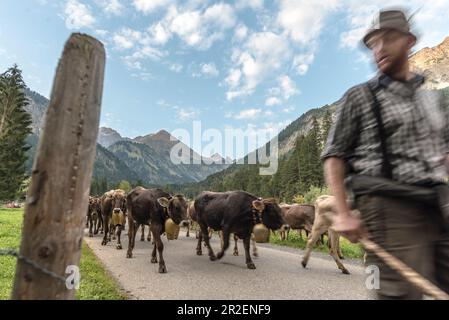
[{"x": 410, "y": 275}]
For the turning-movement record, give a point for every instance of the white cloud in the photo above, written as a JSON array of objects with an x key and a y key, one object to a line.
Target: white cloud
[
  {"x": 273, "y": 101},
  {"x": 288, "y": 109},
  {"x": 134, "y": 60},
  {"x": 262, "y": 54},
  {"x": 184, "y": 114},
  {"x": 126, "y": 38},
  {"x": 159, "y": 33},
  {"x": 209, "y": 69},
  {"x": 199, "y": 29},
  {"x": 78, "y": 15},
  {"x": 148, "y": 6},
  {"x": 303, "y": 20},
  {"x": 241, "y": 32},
  {"x": 302, "y": 62},
  {"x": 176, "y": 67},
  {"x": 247, "y": 114},
  {"x": 287, "y": 86},
  {"x": 113, "y": 7}
]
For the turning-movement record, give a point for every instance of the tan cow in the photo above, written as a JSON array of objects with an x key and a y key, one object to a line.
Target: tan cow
[{"x": 324, "y": 214}]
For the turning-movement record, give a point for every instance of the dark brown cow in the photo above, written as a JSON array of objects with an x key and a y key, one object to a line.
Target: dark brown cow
[
  {"x": 234, "y": 212},
  {"x": 153, "y": 207},
  {"x": 94, "y": 215},
  {"x": 113, "y": 210}
]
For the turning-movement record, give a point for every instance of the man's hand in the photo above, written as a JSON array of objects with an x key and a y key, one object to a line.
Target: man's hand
[{"x": 349, "y": 226}]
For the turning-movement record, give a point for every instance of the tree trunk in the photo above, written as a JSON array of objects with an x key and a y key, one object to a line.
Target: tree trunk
[{"x": 58, "y": 195}]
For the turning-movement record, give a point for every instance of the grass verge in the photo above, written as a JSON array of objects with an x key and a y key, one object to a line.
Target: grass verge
[{"x": 96, "y": 284}]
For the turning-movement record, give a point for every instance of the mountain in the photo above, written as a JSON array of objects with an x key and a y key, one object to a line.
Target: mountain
[
  {"x": 434, "y": 64},
  {"x": 145, "y": 158},
  {"x": 154, "y": 166},
  {"x": 36, "y": 108},
  {"x": 108, "y": 165},
  {"x": 108, "y": 136}
]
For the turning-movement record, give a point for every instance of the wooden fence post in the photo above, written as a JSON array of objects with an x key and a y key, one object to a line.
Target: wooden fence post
[{"x": 57, "y": 198}]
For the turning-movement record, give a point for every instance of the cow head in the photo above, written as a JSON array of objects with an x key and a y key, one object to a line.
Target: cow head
[
  {"x": 176, "y": 208},
  {"x": 94, "y": 206},
  {"x": 118, "y": 202},
  {"x": 271, "y": 213}
]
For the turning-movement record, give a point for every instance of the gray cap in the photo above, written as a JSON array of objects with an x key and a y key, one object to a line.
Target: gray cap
[{"x": 389, "y": 20}]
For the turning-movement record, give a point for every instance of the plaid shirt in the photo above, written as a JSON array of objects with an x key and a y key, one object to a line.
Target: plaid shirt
[{"x": 416, "y": 128}]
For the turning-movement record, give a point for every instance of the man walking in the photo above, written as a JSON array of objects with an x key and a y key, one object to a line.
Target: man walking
[{"x": 390, "y": 127}]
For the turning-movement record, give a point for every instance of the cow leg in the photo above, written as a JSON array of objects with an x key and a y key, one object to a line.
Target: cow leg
[
  {"x": 205, "y": 235},
  {"x": 113, "y": 228},
  {"x": 236, "y": 249},
  {"x": 288, "y": 232},
  {"x": 153, "y": 254},
  {"x": 149, "y": 235},
  {"x": 90, "y": 222},
  {"x": 101, "y": 224},
  {"x": 249, "y": 262},
  {"x": 106, "y": 231},
  {"x": 340, "y": 254},
  {"x": 156, "y": 230},
  {"x": 199, "y": 250},
  {"x": 131, "y": 236},
  {"x": 119, "y": 233},
  {"x": 282, "y": 235},
  {"x": 253, "y": 240},
  {"x": 226, "y": 235},
  {"x": 333, "y": 239},
  {"x": 188, "y": 229},
  {"x": 319, "y": 227},
  {"x": 142, "y": 235}
]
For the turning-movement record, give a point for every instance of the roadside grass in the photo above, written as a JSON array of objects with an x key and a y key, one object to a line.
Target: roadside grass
[
  {"x": 95, "y": 284},
  {"x": 349, "y": 250}
]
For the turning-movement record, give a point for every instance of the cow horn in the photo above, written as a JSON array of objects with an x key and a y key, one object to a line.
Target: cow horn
[{"x": 258, "y": 205}]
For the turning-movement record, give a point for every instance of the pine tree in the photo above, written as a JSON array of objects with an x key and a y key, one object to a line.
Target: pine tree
[
  {"x": 14, "y": 128},
  {"x": 327, "y": 123}
]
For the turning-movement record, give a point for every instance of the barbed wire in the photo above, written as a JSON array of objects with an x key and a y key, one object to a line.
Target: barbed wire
[{"x": 15, "y": 253}]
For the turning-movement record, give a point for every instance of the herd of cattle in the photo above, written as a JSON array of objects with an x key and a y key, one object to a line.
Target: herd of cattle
[{"x": 235, "y": 212}]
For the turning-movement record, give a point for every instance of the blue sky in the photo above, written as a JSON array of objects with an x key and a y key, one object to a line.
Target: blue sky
[{"x": 241, "y": 64}]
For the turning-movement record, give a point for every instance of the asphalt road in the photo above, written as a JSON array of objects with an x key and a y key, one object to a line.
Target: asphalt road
[{"x": 279, "y": 274}]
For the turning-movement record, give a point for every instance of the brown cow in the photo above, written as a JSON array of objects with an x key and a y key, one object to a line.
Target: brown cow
[
  {"x": 298, "y": 217},
  {"x": 94, "y": 215},
  {"x": 113, "y": 210},
  {"x": 234, "y": 212},
  {"x": 325, "y": 211},
  {"x": 153, "y": 207}
]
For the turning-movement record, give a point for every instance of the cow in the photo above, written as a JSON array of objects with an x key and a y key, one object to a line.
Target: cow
[
  {"x": 234, "y": 212},
  {"x": 113, "y": 210},
  {"x": 193, "y": 220},
  {"x": 153, "y": 207},
  {"x": 298, "y": 217},
  {"x": 325, "y": 211},
  {"x": 93, "y": 215}
]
